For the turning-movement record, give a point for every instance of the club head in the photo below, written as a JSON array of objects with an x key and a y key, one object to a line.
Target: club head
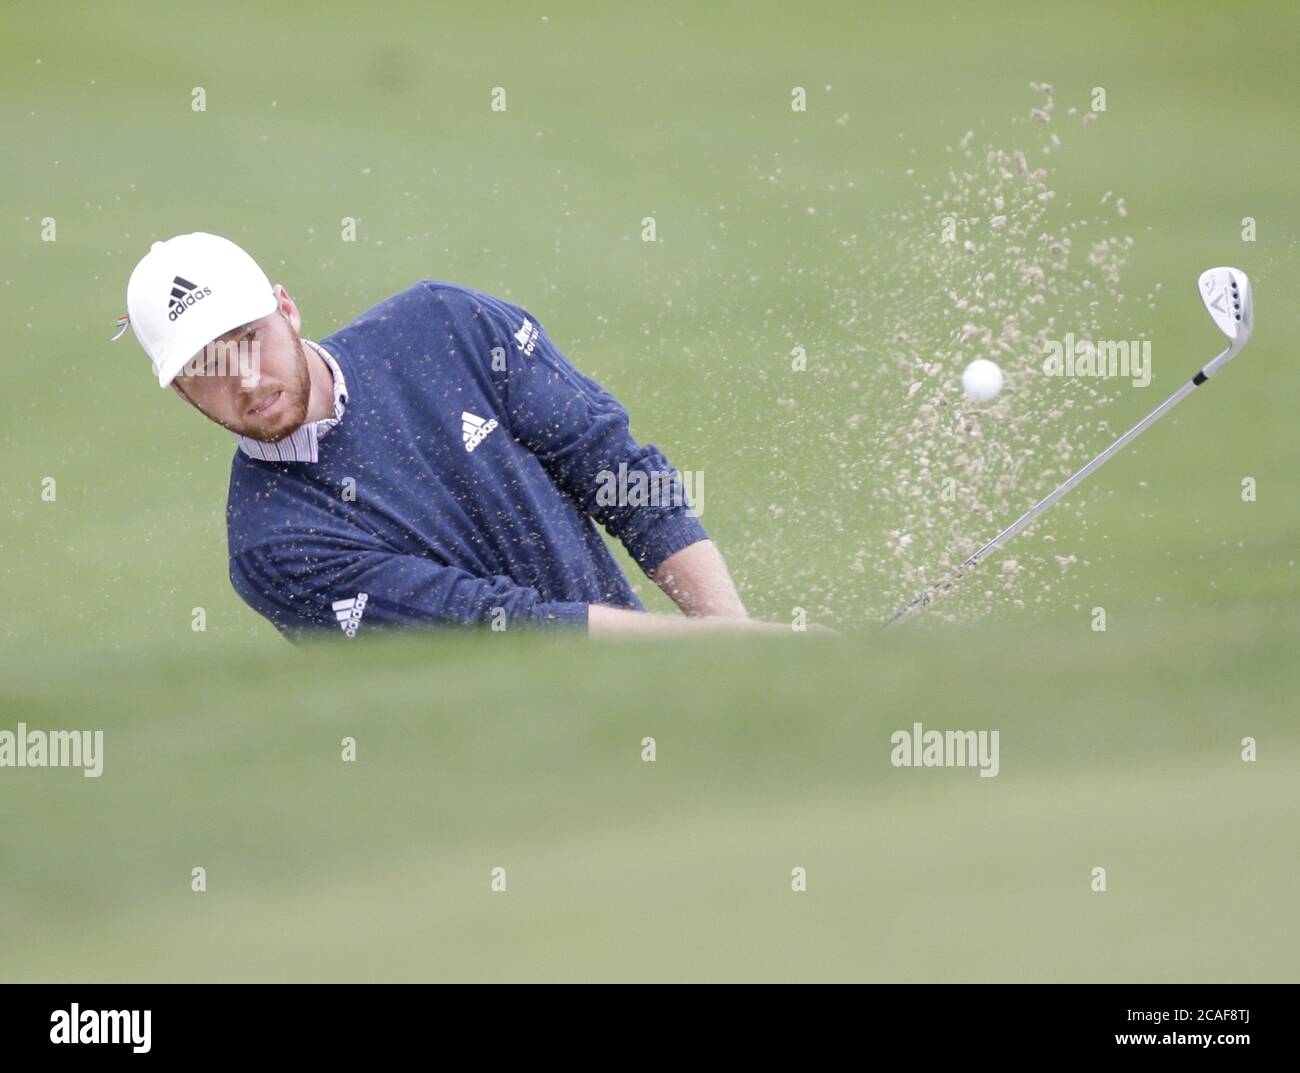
[{"x": 1226, "y": 294}]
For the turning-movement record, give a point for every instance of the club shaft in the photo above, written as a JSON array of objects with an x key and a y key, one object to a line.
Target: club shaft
[{"x": 925, "y": 598}]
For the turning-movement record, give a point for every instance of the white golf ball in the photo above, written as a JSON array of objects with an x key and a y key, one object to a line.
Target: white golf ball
[{"x": 982, "y": 380}]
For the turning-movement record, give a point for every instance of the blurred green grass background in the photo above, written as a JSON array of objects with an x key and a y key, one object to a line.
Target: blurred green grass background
[{"x": 1118, "y": 749}]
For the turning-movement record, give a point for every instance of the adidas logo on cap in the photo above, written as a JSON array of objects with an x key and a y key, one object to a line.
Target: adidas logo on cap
[
  {"x": 184, "y": 295},
  {"x": 349, "y": 612},
  {"x": 474, "y": 429}
]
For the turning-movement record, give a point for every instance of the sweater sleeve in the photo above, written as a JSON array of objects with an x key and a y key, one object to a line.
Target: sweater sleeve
[
  {"x": 579, "y": 432},
  {"x": 300, "y": 589}
]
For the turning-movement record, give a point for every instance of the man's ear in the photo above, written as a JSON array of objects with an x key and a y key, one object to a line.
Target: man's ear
[{"x": 294, "y": 314}]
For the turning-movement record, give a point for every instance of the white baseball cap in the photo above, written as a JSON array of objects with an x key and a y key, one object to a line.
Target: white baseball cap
[{"x": 188, "y": 291}]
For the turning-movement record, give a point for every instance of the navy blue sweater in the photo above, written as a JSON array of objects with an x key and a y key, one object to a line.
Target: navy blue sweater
[{"x": 460, "y": 487}]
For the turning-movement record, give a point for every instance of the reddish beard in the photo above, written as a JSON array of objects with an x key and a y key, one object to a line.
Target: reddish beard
[{"x": 290, "y": 412}]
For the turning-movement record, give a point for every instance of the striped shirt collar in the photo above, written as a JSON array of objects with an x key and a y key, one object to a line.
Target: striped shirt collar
[{"x": 303, "y": 444}]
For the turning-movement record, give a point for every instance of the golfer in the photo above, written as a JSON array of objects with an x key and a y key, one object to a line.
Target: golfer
[{"x": 436, "y": 462}]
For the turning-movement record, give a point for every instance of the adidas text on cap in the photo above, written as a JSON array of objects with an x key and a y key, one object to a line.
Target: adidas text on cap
[{"x": 190, "y": 290}]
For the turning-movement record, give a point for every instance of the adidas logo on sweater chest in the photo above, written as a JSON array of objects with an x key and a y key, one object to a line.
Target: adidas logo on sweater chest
[{"x": 474, "y": 429}]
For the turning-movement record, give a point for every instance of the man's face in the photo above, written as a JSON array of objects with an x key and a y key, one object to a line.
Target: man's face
[{"x": 259, "y": 384}]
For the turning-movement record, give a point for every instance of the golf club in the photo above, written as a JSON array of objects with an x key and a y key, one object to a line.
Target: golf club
[{"x": 1226, "y": 294}]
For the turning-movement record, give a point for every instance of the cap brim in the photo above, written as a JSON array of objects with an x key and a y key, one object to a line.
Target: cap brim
[{"x": 203, "y": 330}]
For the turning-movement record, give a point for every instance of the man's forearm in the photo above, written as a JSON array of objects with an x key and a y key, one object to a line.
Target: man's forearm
[
  {"x": 697, "y": 581},
  {"x": 603, "y": 620}
]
